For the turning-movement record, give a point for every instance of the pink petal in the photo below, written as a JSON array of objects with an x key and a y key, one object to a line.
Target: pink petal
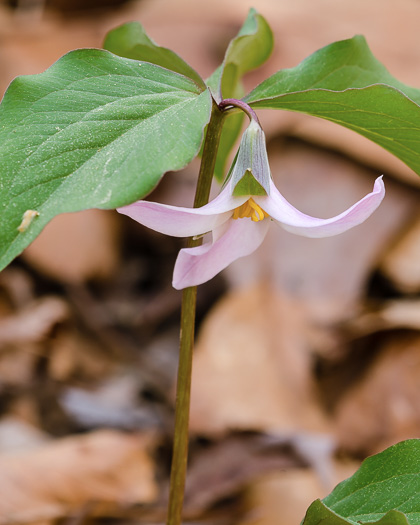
[
  {"x": 233, "y": 240},
  {"x": 184, "y": 222},
  {"x": 296, "y": 222}
]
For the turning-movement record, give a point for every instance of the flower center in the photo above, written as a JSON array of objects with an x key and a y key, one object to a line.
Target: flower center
[{"x": 249, "y": 209}]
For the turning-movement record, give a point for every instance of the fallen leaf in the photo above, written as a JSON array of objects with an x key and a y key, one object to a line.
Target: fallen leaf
[
  {"x": 223, "y": 468},
  {"x": 383, "y": 406},
  {"x": 18, "y": 287},
  {"x": 56, "y": 479},
  {"x": 401, "y": 264},
  {"x": 390, "y": 315},
  {"x": 252, "y": 367},
  {"x": 74, "y": 355},
  {"x": 34, "y": 322},
  {"x": 112, "y": 404},
  {"x": 18, "y": 364}
]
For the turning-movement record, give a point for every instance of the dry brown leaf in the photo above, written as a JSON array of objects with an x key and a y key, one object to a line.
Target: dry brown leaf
[
  {"x": 402, "y": 262},
  {"x": 396, "y": 314},
  {"x": 383, "y": 407},
  {"x": 18, "y": 364},
  {"x": 223, "y": 468},
  {"x": 283, "y": 497},
  {"x": 56, "y": 479},
  {"x": 34, "y": 322},
  {"x": 252, "y": 367},
  {"x": 75, "y": 247},
  {"x": 73, "y": 355},
  {"x": 18, "y": 287}
]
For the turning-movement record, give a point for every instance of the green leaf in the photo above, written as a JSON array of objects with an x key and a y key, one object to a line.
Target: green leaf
[
  {"x": 94, "y": 130},
  {"x": 248, "y": 50},
  {"x": 131, "y": 41},
  {"x": 345, "y": 84},
  {"x": 384, "y": 491}
]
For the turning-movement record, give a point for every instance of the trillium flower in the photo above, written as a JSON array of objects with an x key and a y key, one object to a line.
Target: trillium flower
[{"x": 239, "y": 217}]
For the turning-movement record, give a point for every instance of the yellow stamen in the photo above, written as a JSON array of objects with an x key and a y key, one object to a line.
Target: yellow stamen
[{"x": 249, "y": 209}]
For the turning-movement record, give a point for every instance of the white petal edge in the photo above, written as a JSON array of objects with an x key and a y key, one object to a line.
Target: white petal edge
[
  {"x": 235, "y": 239},
  {"x": 299, "y": 223},
  {"x": 184, "y": 222}
]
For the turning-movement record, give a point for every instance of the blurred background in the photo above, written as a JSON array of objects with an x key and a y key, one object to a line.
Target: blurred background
[{"x": 308, "y": 351}]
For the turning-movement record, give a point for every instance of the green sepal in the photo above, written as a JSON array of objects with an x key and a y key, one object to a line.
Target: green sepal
[{"x": 248, "y": 185}]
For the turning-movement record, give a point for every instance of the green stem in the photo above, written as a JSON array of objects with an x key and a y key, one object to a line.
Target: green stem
[{"x": 182, "y": 405}]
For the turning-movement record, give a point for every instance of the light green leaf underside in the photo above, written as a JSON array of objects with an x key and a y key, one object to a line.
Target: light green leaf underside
[
  {"x": 248, "y": 50},
  {"x": 94, "y": 130},
  {"x": 345, "y": 84},
  {"x": 384, "y": 491},
  {"x": 131, "y": 41}
]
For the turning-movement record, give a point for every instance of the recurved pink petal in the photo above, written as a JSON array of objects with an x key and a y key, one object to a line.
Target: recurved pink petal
[
  {"x": 297, "y": 222},
  {"x": 184, "y": 222},
  {"x": 231, "y": 241}
]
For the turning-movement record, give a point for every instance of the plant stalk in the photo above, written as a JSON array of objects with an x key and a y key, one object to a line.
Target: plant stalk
[{"x": 189, "y": 296}]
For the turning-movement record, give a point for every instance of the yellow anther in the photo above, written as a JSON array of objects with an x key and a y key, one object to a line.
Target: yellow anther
[{"x": 249, "y": 209}]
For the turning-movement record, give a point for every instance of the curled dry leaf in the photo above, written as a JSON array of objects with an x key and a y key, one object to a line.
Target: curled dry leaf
[
  {"x": 252, "y": 367},
  {"x": 56, "y": 479}
]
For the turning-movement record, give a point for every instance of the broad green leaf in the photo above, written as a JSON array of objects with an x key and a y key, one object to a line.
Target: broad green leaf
[
  {"x": 131, "y": 41},
  {"x": 384, "y": 491},
  {"x": 248, "y": 50},
  {"x": 94, "y": 130},
  {"x": 320, "y": 514},
  {"x": 345, "y": 84}
]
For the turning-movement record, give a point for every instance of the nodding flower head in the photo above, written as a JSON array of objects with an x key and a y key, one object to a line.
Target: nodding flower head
[{"x": 239, "y": 217}]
